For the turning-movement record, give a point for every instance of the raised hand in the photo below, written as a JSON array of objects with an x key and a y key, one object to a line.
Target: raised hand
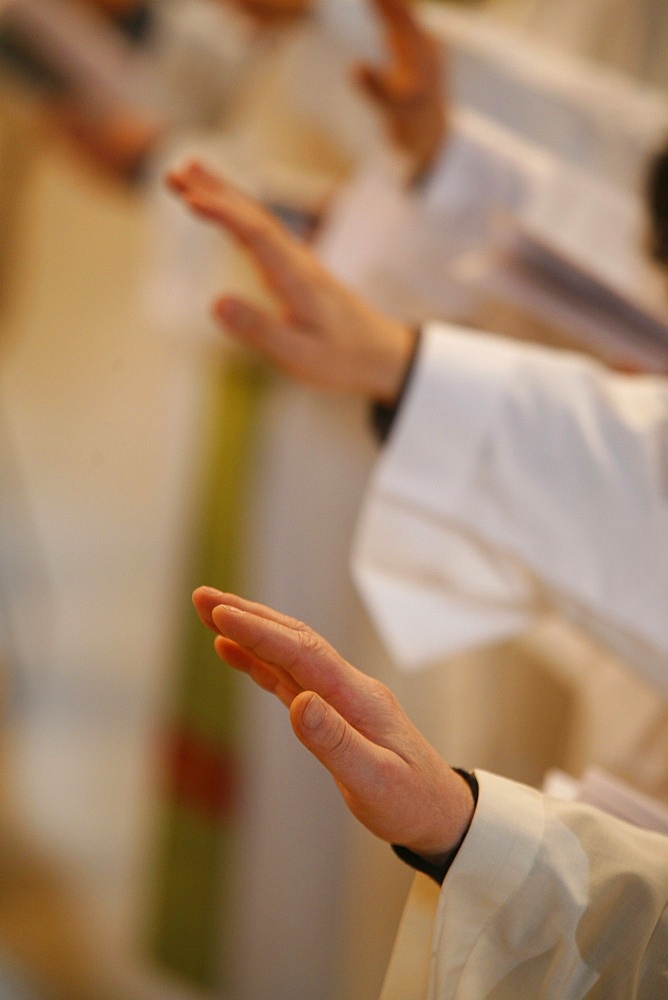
[
  {"x": 391, "y": 779},
  {"x": 321, "y": 333},
  {"x": 410, "y": 90},
  {"x": 114, "y": 143}
]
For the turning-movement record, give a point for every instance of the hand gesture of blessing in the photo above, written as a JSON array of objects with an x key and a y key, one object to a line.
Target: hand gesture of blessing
[{"x": 391, "y": 779}]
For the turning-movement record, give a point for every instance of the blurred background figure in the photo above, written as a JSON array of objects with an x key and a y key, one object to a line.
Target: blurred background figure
[
  {"x": 75, "y": 242},
  {"x": 85, "y": 710}
]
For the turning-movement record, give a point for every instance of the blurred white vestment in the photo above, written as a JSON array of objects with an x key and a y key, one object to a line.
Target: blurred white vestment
[
  {"x": 638, "y": 45},
  {"x": 595, "y": 116}
]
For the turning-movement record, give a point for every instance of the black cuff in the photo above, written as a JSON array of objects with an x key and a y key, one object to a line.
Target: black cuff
[
  {"x": 383, "y": 414},
  {"x": 438, "y": 872}
]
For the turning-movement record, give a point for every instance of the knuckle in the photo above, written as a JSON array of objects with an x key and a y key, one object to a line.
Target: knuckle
[
  {"x": 309, "y": 642},
  {"x": 261, "y": 648},
  {"x": 382, "y": 695}
]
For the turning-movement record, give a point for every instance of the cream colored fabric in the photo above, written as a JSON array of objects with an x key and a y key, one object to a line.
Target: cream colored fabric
[
  {"x": 448, "y": 249},
  {"x": 557, "y": 95},
  {"x": 545, "y": 899},
  {"x": 638, "y": 45}
]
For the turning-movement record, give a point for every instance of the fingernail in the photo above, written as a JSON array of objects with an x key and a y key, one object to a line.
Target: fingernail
[{"x": 314, "y": 713}]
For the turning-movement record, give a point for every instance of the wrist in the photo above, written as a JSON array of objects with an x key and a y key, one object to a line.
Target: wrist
[
  {"x": 383, "y": 414},
  {"x": 437, "y": 864},
  {"x": 391, "y": 368},
  {"x": 459, "y": 802}
]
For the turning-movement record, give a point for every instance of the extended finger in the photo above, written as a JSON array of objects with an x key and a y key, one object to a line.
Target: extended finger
[
  {"x": 283, "y": 260},
  {"x": 336, "y": 744},
  {"x": 206, "y": 599},
  {"x": 267, "y": 676},
  {"x": 404, "y": 33},
  {"x": 376, "y": 82},
  {"x": 190, "y": 175},
  {"x": 285, "y": 643},
  {"x": 401, "y": 24},
  {"x": 298, "y": 650}
]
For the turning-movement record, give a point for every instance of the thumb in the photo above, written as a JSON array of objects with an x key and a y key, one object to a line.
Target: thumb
[{"x": 332, "y": 740}]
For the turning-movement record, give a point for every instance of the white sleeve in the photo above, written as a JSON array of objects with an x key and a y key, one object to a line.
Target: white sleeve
[
  {"x": 202, "y": 53},
  {"x": 550, "y": 899},
  {"x": 418, "y": 252},
  {"x": 483, "y": 165},
  {"x": 519, "y": 480},
  {"x": 544, "y": 899}
]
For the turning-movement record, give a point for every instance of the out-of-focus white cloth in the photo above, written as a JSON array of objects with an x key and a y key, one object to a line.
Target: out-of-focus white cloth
[
  {"x": 594, "y": 116},
  {"x": 638, "y": 45},
  {"x": 466, "y": 237},
  {"x": 277, "y": 135},
  {"x": 519, "y": 480},
  {"x": 545, "y": 898}
]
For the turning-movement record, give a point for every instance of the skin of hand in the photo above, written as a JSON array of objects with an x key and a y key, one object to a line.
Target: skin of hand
[
  {"x": 112, "y": 143},
  {"x": 409, "y": 91},
  {"x": 390, "y": 777},
  {"x": 321, "y": 333}
]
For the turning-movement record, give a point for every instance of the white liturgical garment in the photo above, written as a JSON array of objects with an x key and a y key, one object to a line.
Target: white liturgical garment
[
  {"x": 545, "y": 899},
  {"x": 519, "y": 480}
]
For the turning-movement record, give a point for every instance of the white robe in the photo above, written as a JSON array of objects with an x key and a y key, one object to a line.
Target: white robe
[
  {"x": 517, "y": 481},
  {"x": 545, "y": 899},
  {"x": 638, "y": 45},
  {"x": 447, "y": 249}
]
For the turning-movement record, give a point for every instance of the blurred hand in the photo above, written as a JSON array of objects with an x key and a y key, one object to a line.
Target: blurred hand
[
  {"x": 114, "y": 144},
  {"x": 322, "y": 334},
  {"x": 409, "y": 90},
  {"x": 391, "y": 779}
]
